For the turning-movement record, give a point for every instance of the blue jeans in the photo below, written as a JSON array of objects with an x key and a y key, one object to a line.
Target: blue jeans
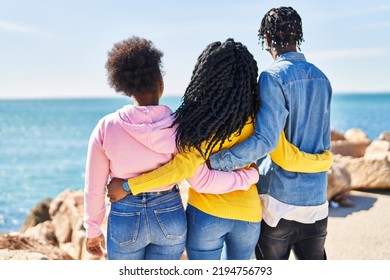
[
  {"x": 307, "y": 241},
  {"x": 213, "y": 238},
  {"x": 147, "y": 227}
]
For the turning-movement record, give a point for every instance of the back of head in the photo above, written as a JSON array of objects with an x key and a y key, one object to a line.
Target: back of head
[
  {"x": 282, "y": 26},
  {"x": 134, "y": 66},
  {"x": 220, "y": 98}
]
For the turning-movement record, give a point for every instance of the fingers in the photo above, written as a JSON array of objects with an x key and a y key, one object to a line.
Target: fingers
[
  {"x": 96, "y": 251},
  {"x": 112, "y": 198},
  {"x": 94, "y": 245}
]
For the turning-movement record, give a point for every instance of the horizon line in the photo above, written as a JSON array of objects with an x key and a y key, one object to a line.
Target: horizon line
[{"x": 118, "y": 96}]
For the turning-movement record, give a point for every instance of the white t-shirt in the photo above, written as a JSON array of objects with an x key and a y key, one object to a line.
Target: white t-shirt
[{"x": 274, "y": 210}]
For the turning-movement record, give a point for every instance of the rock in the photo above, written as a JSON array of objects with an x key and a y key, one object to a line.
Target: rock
[
  {"x": 38, "y": 215},
  {"x": 368, "y": 174},
  {"x": 62, "y": 225},
  {"x": 67, "y": 214},
  {"x": 342, "y": 200},
  {"x": 335, "y": 135},
  {"x": 54, "y": 226},
  {"x": 348, "y": 148},
  {"x": 384, "y": 136},
  {"x": 367, "y": 164},
  {"x": 42, "y": 231},
  {"x": 339, "y": 179},
  {"x": 15, "y": 246},
  {"x": 356, "y": 135},
  {"x": 6, "y": 254},
  {"x": 378, "y": 149},
  {"x": 67, "y": 211},
  {"x": 353, "y": 143}
]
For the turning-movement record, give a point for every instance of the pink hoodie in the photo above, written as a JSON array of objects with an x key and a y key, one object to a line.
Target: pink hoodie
[{"x": 135, "y": 140}]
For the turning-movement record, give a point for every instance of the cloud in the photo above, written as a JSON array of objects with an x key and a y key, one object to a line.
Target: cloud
[
  {"x": 347, "y": 53},
  {"x": 20, "y": 28}
]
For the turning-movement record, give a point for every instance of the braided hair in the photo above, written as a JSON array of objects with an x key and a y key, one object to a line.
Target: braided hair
[
  {"x": 282, "y": 26},
  {"x": 220, "y": 99}
]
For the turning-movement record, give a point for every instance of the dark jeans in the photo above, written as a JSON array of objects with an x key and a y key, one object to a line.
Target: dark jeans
[{"x": 307, "y": 241}]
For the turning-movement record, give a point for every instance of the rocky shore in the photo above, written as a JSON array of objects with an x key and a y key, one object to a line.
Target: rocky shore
[
  {"x": 54, "y": 229},
  {"x": 359, "y": 164}
]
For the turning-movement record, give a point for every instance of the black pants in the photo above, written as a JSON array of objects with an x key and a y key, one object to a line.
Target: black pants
[{"x": 307, "y": 241}]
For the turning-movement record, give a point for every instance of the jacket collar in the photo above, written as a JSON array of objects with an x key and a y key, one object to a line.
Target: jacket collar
[{"x": 291, "y": 56}]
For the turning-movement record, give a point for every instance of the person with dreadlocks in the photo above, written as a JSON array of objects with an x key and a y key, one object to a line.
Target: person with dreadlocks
[
  {"x": 295, "y": 98},
  {"x": 217, "y": 111}
]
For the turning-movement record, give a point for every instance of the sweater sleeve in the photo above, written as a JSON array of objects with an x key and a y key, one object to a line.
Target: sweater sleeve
[
  {"x": 181, "y": 167},
  {"x": 290, "y": 158},
  {"x": 96, "y": 176},
  {"x": 220, "y": 182}
]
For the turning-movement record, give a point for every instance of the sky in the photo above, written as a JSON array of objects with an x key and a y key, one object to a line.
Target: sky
[{"x": 58, "y": 48}]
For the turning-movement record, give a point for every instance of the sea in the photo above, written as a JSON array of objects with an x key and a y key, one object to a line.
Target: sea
[{"x": 43, "y": 143}]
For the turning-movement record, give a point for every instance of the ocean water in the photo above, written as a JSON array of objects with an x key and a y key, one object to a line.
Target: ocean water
[{"x": 43, "y": 143}]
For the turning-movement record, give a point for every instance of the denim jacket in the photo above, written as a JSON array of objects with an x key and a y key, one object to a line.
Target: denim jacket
[{"x": 295, "y": 96}]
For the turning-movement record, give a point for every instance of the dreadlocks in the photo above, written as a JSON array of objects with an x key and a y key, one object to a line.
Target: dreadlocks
[
  {"x": 220, "y": 98},
  {"x": 282, "y": 26}
]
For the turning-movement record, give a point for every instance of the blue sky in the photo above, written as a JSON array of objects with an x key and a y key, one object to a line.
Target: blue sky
[{"x": 58, "y": 48}]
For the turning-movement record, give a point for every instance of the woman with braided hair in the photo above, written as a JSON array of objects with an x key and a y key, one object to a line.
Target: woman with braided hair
[
  {"x": 217, "y": 111},
  {"x": 223, "y": 87}
]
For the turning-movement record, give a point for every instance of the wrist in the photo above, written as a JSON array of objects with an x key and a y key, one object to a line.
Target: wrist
[{"x": 126, "y": 187}]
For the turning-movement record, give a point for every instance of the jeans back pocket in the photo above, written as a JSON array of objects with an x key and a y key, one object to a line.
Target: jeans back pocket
[
  {"x": 124, "y": 227},
  {"x": 172, "y": 221}
]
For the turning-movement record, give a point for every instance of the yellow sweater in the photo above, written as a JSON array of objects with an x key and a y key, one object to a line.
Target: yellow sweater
[{"x": 239, "y": 205}]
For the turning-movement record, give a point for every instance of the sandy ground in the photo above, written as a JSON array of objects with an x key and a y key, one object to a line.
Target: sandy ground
[{"x": 361, "y": 232}]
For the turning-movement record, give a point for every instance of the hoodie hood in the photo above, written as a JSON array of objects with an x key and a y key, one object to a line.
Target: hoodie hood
[{"x": 150, "y": 126}]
